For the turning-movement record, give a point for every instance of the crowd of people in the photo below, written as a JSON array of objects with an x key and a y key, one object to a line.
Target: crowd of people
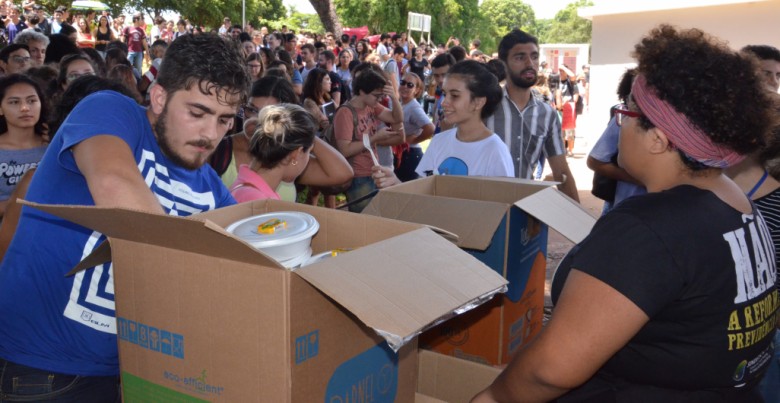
[{"x": 179, "y": 120}]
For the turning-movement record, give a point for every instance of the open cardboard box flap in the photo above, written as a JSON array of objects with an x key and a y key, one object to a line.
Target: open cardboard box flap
[
  {"x": 191, "y": 235},
  {"x": 559, "y": 212},
  {"x": 408, "y": 282},
  {"x": 440, "y": 200},
  {"x": 442, "y": 212}
]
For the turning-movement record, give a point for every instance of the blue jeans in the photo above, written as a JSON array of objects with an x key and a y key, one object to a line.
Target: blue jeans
[
  {"x": 136, "y": 59},
  {"x": 19, "y": 383},
  {"x": 361, "y": 186},
  {"x": 770, "y": 385}
]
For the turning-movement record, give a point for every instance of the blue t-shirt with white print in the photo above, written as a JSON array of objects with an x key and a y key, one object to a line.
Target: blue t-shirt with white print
[{"x": 67, "y": 324}]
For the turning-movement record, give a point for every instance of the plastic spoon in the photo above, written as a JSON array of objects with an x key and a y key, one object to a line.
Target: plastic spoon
[{"x": 367, "y": 145}]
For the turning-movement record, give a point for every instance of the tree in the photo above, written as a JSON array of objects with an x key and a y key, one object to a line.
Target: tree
[
  {"x": 498, "y": 17},
  {"x": 458, "y": 18},
  {"x": 297, "y": 20},
  {"x": 505, "y": 15},
  {"x": 568, "y": 27},
  {"x": 378, "y": 15},
  {"x": 327, "y": 12}
]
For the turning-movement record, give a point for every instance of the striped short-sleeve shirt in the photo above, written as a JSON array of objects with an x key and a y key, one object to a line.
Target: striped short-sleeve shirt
[{"x": 528, "y": 133}]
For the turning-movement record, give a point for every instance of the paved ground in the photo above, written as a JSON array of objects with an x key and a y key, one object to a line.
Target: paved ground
[{"x": 589, "y": 128}]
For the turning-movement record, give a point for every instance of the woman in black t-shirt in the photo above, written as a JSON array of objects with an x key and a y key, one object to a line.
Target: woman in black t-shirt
[
  {"x": 672, "y": 296},
  {"x": 418, "y": 64},
  {"x": 103, "y": 35}
]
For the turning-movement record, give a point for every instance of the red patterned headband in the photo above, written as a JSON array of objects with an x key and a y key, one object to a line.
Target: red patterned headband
[{"x": 685, "y": 135}]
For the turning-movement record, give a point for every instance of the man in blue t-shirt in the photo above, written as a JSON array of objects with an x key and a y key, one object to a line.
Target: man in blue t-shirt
[{"x": 57, "y": 333}]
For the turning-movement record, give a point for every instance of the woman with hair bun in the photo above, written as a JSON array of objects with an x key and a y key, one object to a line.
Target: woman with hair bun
[
  {"x": 283, "y": 148},
  {"x": 471, "y": 93},
  {"x": 672, "y": 297}
]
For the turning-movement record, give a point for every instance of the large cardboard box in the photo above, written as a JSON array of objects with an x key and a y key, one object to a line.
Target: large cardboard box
[
  {"x": 443, "y": 378},
  {"x": 202, "y": 316},
  {"x": 503, "y": 222}
]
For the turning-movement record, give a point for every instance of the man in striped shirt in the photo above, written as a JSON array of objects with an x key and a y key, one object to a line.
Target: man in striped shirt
[{"x": 529, "y": 126}]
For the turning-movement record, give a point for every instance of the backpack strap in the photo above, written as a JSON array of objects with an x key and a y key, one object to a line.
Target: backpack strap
[{"x": 354, "y": 119}]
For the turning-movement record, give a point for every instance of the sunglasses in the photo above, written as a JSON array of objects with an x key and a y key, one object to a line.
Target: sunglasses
[{"x": 407, "y": 84}]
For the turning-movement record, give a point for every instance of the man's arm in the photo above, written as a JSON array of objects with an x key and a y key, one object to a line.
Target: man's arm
[
  {"x": 112, "y": 175},
  {"x": 560, "y": 168}
]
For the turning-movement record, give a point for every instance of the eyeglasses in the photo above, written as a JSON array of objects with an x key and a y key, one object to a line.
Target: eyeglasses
[
  {"x": 250, "y": 109},
  {"x": 254, "y": 66},
  {"x": 20, "y": 59},
  {"x": 622, "y": 112},
  {"x": 407, "y": 84},
  {"x": 73, "y": 76},
  {"x": 379, "y": 96}
]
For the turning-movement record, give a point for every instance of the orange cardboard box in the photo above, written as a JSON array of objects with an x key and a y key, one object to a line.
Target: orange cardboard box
[
  {"x": 202, "y": 316},
  {"x": 503, "y": 222}
]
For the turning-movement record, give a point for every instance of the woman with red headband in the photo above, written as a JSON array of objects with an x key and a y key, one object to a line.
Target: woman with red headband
[{"x": 672, "y": 296}]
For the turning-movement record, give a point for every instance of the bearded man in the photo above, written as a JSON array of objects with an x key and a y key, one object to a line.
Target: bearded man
[
  {"x": 58, "y": 336},
  {"x": 529, "y": 126}
]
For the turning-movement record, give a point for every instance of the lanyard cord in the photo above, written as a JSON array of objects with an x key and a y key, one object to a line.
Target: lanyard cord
[{"x": 758, "y": 185}]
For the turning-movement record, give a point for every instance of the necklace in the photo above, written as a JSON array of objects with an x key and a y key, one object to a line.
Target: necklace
[{"x": 758, "y": 185}]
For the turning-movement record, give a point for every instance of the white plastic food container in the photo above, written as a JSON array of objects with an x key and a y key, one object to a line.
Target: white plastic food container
[
  {"x": 297, "y": 262},
  {"x": 289, "y": 241},
  {"x": 324, "y": 255}
]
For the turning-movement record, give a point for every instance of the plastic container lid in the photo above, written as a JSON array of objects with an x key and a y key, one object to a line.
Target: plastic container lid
[{"x": 300, "y": 226}]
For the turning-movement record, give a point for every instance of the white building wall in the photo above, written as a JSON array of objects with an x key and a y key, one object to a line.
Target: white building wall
[{"x": 614, "y": 36}]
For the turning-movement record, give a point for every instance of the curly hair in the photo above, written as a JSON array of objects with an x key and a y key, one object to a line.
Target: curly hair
[
  {"x": 716, "y": 88},
  {"x": 213, "y": 63}
]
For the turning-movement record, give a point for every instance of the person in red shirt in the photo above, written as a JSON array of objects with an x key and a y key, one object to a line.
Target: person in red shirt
[{"x": 135, "y": 38}]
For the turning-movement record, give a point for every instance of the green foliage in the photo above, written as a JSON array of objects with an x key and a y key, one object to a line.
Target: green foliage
[
  {"x": 208, "y": 13},
  {"x": 505, "y": 15},
  {"x": 378, "y": 15},
  {"x": 466, "y": 19},
  {"x": 568, "y": 27},
  {"x": 498, "y": 17},
  {"x": 459, "y": 18},
  {"x": 297, "y": 21}
]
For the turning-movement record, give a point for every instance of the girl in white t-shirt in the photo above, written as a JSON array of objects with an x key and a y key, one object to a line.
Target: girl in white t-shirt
[{"x": 471, "y": 93}]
